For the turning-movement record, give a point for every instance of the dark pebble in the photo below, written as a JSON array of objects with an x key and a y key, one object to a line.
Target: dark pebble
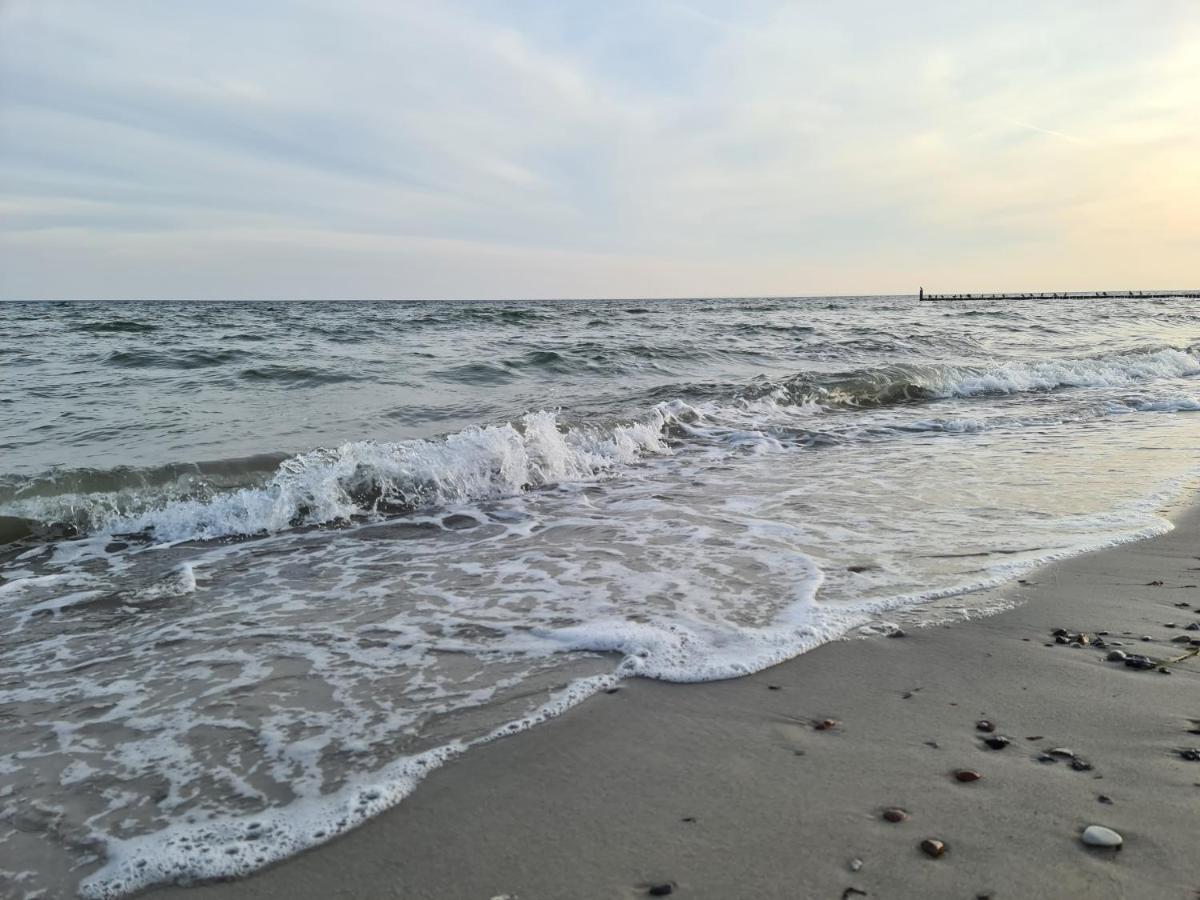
[
  {"x": 1046, "y": 758},
  {"x": 688, "y": 819},
  {"x": 1137, "y": 661},
  {"x": 933, "y": 847},
  {"x": 997, "y": 742},
  {"x": 1191, "y": 754},
  {"x": 661, "y": 890},
  {"x": 611, "y": 690},
  {"x": 773, "y": 687},
  {"x": 825, "y": 724},
  {"x": 1195, "y": 626},
  {"x": 1081, "y": 765},
  {"x": 1059, "y": 632},
  {"x": 967, "y": 775},
  {"x": 1106, "y": 800},
  {"x": 895, "y": 814},
  {"x": 985, "y": 725}
]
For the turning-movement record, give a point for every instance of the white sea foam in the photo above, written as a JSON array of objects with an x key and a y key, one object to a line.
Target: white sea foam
[{"x": 251, "y": 699}]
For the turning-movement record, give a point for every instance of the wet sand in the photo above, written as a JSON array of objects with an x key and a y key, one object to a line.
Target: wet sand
[{"x": 727, "y": 790}]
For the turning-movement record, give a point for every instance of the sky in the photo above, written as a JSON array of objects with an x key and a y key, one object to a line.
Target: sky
[{"x": 386, "y": 149}]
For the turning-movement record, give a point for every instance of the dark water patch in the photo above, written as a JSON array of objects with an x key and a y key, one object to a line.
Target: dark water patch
[
  {"x": 772, "y": 328},
  {"x": 173, "y": 359},
  {"x": 498, "y": 316},
  {"x": 118, "y": 326},
  {"x": 295, "y": 376},
  {"x": 219, "y": 473},
  {"x": 477, "y": 373},
  {"x": 19, "y": 528},
  {"x": 548, "y": 360}
]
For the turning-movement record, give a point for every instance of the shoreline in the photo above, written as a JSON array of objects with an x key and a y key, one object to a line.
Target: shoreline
[{"x": 725, "y": 789}]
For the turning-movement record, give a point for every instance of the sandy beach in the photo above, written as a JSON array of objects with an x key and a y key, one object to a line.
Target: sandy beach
[{"x": 728, "y": 789}]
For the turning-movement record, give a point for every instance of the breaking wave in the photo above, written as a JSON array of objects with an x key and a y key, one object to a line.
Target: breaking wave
[
  {"x": 271, "y": 493},
  {"x": 906, "y": 383}
]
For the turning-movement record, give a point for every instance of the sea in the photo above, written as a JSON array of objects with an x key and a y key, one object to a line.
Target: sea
[{"x": 265, "y": 565}]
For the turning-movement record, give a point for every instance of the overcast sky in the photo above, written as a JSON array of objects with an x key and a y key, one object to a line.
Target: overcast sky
[{"x": 388, "y": 149}]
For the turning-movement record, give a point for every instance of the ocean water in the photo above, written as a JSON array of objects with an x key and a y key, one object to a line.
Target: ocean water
[{"x": 262, "y": 566}]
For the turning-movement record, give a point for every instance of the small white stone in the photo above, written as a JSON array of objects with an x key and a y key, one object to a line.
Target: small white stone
[
  {"x": 855, "y": 865},
  {"x": 1099, "y": 836}
]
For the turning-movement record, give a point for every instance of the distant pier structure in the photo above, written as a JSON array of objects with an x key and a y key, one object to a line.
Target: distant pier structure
[{"x": 1061, "y": 295}]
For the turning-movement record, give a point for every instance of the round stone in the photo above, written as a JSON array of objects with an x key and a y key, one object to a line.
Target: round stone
[
  {"x": 895, "y": 814},
  {"x": 1116, "y": 656},
  {"x": 933, "y": 847},
  {"x": 966, "y": 775},
  {"x": 1099, "y": 836}
]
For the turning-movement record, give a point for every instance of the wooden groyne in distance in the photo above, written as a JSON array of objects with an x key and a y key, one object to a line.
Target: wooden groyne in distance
[{"x": 1063, "y": 295}]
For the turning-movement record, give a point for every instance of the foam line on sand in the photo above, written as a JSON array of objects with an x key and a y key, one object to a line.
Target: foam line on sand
[{"x": 727, "y": 789}]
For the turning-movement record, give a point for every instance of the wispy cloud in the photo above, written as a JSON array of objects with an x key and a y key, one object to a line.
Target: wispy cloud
[{"x": 380, "y": 148}]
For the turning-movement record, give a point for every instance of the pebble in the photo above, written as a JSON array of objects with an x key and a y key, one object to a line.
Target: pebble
[
  {"x": 967, "y": 775},
  {"x": 1081, "y": 765},
  {"x": 933, "y": 847},
  {"x": 985, "y": 725},
  {"x": 1191, "y": 754},
  {"x": 1099, "y": 836},
  {"x": 895, "y": 814},
  {"x": 1046, "y": 758},
  {"x": 997, "y": 742},
  {"x": 1181, "y": 639},
  {"x": 1105, "y": 799},
  {"x": 1146, "y": 637},
  {"x": 1137, "y": 661},
  {"x": 825, "y": 724},
  {"x": 1062, "y": 751},
  {"x": 855, "y": 865},
  {"x": 661, "y": 890},
  {"x": 1195, "y": 626},
  {"x": 1115, "y": 655},
  {"x": 896, "y": 633}
]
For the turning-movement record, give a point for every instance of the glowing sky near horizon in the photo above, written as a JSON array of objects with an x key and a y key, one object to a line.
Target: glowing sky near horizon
[{"x": 379, "y": 149}]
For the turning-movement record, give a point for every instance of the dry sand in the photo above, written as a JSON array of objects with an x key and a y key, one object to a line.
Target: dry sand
[{"x": 725, "y": 790}]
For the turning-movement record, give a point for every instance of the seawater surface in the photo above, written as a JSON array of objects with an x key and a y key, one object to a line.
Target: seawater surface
[{"x": 263, "y": 565}]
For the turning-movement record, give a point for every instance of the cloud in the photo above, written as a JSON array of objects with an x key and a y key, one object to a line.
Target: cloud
[{"x": 404, "y": 149}]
